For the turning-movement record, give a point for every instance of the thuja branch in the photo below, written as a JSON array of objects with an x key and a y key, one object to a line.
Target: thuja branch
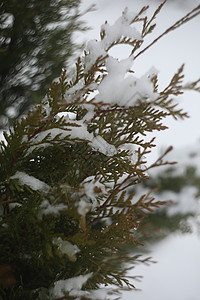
[
  {"x": 110, "y": 110},
  {"x": 46, "y": 121},
  {"x": 192, "y": 14},
  {"x": 116, "y": 190},
  {"x": 159, "y": 161}
]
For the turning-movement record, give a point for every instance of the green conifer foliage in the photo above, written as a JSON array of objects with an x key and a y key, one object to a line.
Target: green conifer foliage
[{"x": 66, "y": 210}]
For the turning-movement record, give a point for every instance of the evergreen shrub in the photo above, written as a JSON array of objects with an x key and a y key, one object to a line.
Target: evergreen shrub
[{"x": 68, "y": 166}]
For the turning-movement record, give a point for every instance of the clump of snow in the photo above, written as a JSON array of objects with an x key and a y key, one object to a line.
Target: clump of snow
[
  {"x": 72, "y": 286},
  {"x": 132, "y": 152},
  {"x": 78, "y": 130},
  {"x": 92, "y": 187},
  {"x": 34, "y": 183},
  {"x": 121, "y": 28},
  {"x": 111, "y": 34},
  {"x": 67, "y": 248},
  {"x": 95, "y": 50},
  {"x": 66, "y": 115},
  {"x": 121, "y": 88},
  {"x": 14, "y": 204},
  {"x": 99, "y": 144},
  {"x": 47, "y": 209},
  {"x": 83, "y": 207}
]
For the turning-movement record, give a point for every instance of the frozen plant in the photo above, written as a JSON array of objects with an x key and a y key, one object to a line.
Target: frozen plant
[{"x": 68, "y": 164}]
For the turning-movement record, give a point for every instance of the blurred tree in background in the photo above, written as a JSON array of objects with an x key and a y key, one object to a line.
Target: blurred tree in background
[
  {"x": 179, "y": 185},
  {"x": 35, "y": 44}
]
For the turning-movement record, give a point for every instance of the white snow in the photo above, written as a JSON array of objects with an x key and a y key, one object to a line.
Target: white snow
[
  {"x": 34, "y": 183},
  {"x": 67, "y": 248},
  {"x": 77, "y": 130},
  {"x": 66, "y": 115},
  {"x": 122, "y": 88},
  {"x": 99, "y": 144},
  {"x": 131, "y": 151},
  {"x": 72, "y": 286},
  {"x": 95, "y": 51},
  {"x": 112, "y": 33},
  {"x": 119, "y": 86},
  {"x": 121, "y": 28},
  {"x": 83, "y": 207},
  {"x": 92, "y": 187},
  {"x": 46, "y": 208}
]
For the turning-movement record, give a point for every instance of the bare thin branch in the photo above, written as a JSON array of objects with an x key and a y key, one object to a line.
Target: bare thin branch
[{"x": 192, "y": 14}]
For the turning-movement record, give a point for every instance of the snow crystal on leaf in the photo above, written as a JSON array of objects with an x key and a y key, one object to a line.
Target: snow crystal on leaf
[{"x": 34, "y": 183}]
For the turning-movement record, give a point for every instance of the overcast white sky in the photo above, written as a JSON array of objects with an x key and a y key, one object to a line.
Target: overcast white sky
[{"x": 176, "y": 275}]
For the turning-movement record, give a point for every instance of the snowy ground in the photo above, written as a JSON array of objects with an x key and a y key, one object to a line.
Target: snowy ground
[{"x": 176, "y": 275}]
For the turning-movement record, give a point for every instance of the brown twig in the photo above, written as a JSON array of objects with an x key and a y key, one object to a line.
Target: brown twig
[
  {"x": 186, "y": 18},
  {"x": 159, "y": 161},
  {"x": 114, "y": 191},
  {"x": 20, "y": 245}
]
